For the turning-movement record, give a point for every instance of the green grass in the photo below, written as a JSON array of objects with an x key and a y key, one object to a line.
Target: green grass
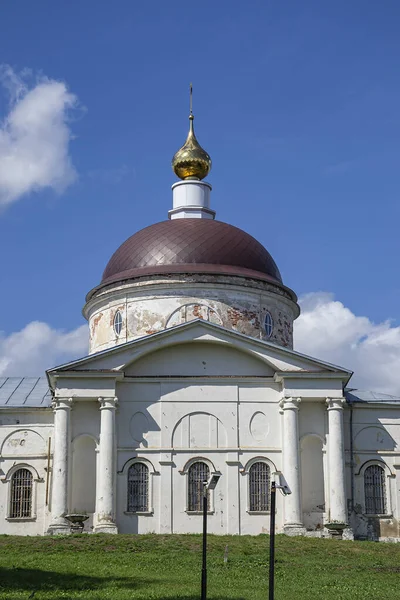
[{"x": 161, "y": 567}]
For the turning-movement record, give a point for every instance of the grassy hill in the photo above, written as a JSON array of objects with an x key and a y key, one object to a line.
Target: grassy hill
[{"x": 161, "y": 567}]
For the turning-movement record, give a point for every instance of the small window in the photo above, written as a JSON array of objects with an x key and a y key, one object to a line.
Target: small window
[
  {"x": 268, "y": 324},
  {"x": 138, "y": 488},
  {"x": 21, "y": 494},
  {"x": 375, "y": 490},
  {"x": 198, "y": 473},
  {"x": 118, "y": 322},
  {"x": 259, "y": 484}
]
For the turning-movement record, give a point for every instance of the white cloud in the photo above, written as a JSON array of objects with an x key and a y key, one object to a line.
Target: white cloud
[
  {"x": 38, "y": 347},
  {"x": 34, "y": 136},
  {"x": 328, "y": 330}
]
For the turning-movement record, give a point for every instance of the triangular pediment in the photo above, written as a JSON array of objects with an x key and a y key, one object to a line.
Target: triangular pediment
[{"x": 276, "y": 360}]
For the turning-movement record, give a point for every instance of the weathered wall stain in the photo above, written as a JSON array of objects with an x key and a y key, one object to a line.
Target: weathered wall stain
[{"x": 154, "y": 304}]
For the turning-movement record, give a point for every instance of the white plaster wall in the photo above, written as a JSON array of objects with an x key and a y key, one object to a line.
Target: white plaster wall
[
  {"x": 199, "y": 359},
  {"x": 85, "y": 434},
  {"x": 376, "y": 435},
  {"x": 24, "y": 439},
  {"x": 312, "y": 482},
  {"x": 313, "y": 428},
  {"x": 169, "y": 423},
  {"x": 227, "y": 421},
  {"x": 83, "y": 477},
  {"x": 153, "y": 305}
]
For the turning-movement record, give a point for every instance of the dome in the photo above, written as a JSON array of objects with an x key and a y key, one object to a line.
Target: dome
[{"x": 191, "y": 246}]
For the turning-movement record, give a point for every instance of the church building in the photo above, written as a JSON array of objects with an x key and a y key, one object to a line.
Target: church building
[{"x": 192, "y": 371}]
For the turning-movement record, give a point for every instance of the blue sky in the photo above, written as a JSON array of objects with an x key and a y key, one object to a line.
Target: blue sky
[{"x": 296, "y": 102}]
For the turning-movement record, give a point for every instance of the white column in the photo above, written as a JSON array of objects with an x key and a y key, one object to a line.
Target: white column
[
  {"x": 337, "y": 492},
  {"x": 291, "y": 466},
  {"x": 105, "y": 502},
  {"x": 61, "y": 452}
]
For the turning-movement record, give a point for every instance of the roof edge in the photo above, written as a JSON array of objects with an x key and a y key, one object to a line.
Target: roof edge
[
  {"x": 206, "y": 324},
  {"x": 190, "y": 269}
]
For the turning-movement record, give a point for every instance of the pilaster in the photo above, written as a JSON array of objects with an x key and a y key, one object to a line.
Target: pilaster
[
  {"x": 232, "y": 491},
  {"x": 166, "y": 505}
]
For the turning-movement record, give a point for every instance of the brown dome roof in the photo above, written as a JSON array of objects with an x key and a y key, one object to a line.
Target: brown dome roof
[{"x": 191, "y": 246}]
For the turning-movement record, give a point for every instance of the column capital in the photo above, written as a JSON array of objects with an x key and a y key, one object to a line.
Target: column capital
[
  {"x": 109, "y": 403},
  {"x": 335, "y": 403},
  {"x": 290, "y": 403},
  {"x": 62, "y": 403}
]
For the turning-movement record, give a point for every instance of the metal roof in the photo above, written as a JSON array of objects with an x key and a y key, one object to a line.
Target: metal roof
[
  {"x": 24, "y": 392},
  {"x": 353, "y": 396},
  {"x": 200, "y": 246}
]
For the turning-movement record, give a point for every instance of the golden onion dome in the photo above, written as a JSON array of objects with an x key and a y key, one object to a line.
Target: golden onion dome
[{"x": 191, "y": 161}]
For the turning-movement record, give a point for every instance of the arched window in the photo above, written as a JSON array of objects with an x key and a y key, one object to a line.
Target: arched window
[
  {"x": 375, "y": 490},
  {"x": 198, "y": 473},
  {"x": 259, "y": 484},
  {"x": 21, "y": 494},
  {"x": 138, "y": 488},
  {"x": 268, "y": 324},
  {"x": 118, "y": 323}
]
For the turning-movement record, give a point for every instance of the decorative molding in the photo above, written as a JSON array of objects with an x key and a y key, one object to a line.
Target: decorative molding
[
  {"x": 379, "y": 463},
  {"x": 138, "y": 459},
  {"x": 108, "y": 403},
  {"x": 196, "y": 459},
  {"x": 256, "y": 459},
  {"x": 289, "y": 404},
  {"x": 62, "y": 403},
  {"x": 335, "y": 403}
]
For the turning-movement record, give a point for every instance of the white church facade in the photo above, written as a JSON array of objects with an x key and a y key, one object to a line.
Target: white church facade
[{"x": 191, "y": 371}]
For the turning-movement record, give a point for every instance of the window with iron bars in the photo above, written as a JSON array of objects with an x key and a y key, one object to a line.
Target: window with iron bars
[
  {"x": 138, "y": 488},
  {"x": 21, "y": 494},
  {"x": 198, "y": 473},
  {"x": 375, "y": 490},
  {"x": 259, "y": 487}
]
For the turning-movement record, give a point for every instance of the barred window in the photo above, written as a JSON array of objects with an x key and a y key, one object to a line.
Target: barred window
[
  {"x": 259, "y": 484},
  {"x": 138, "y": 488},
  {"x": 21, "y": 494},
  {"x": 198, "y": 473},
  {"x": 375, "y": 490}
]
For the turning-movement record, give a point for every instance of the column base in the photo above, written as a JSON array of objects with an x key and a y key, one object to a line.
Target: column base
[
  {"x": 59, "y": 529},
  {"x": 105, "y": 528},
  {"x": 293, "y": 529}
]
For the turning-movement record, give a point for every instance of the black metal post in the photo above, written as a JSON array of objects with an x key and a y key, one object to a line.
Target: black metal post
[
  {"x": 204, "y": 565},
  {"x": 272, "y": 542}
]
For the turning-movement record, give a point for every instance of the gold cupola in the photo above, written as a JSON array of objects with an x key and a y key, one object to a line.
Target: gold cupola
[{"x": 191, "y": 161}]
